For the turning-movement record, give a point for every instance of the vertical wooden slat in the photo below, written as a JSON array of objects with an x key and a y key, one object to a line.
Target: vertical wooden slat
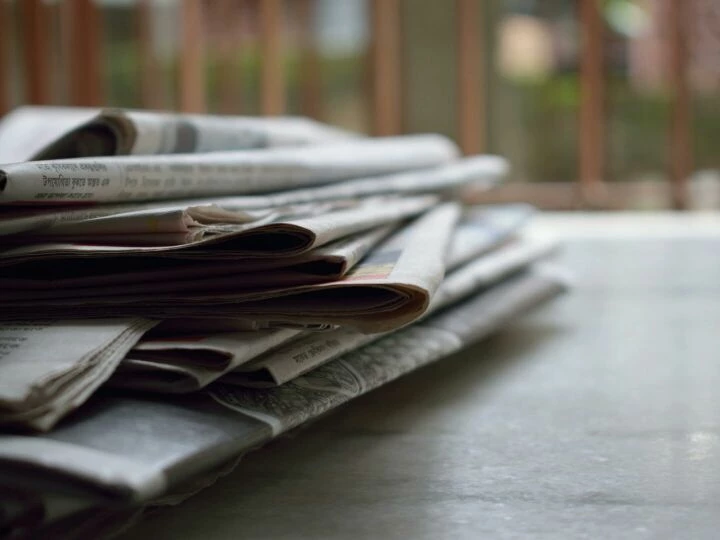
[
  {"x": 470, "y": 96},
  {"x": 272, "y": 91},
  {"x": 36, "y": 51},
  {"x": 310, "y": 73},
  {"x": 680, "y": 139},
  {"x": 5, "y": 74},
  {"x": 149, "y": 71},
  {"x": 229, "y": 14},
  {"x": 83, "y": 22},
  {"x": 592, "y": 85},
  {"x": 386, "y": 67},
  {"x": 192, "y": 58}
]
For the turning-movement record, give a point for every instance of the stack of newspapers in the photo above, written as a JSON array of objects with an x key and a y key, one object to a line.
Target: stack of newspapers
[{"x": 176, "y": 290}]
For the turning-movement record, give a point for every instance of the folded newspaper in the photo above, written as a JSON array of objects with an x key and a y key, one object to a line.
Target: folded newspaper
[
  {"x": 238, "y": 172},
  {"x": 127, "y": 450},
  {"x": 133, "y": 132},
  {"x": 482, "y": 172},
  {"x": 390, "y": 287},
  {"x": 45, "y": 132}
]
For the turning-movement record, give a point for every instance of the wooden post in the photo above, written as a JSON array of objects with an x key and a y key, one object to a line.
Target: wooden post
[
  {"x": 191, "y": 89},
  {"x": 680, "y": 137},
  {"x": 310, "y": 72},
  {"x": 36, "y": 49},
  {"x": 470, "y": 89},
  {"x": 5, "y": 23},
  {"x": 149, "y": 72},
  {"x": 272, "y": 85},
  {"x": 85, "y": 34},
  {"x": 592, "y": 86},
  {"x": 386, "y": 67},
  {"x": 229, "y": 14}
]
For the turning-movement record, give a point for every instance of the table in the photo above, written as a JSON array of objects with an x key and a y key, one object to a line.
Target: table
[{"x": 597, "y": 416}]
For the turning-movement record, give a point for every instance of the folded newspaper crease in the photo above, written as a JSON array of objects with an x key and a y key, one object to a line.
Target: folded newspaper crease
[{"x": 133, "y": 449}]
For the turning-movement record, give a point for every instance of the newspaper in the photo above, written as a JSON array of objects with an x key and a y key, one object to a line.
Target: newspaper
[
  {"x": 124, "y": 450},
  {"x": 288, "y": 232},
  {"x": 180, "y": 364},
  {"x": 132, "y": 132},
  {"x": 292, "y": 360},
  {"x": 481, "y": 171},
  {"x": 391, "y": 287},
  {"x": 325, "y": 263},
  {"x": 162, "y": 177},
  {"x": 27, "y": 130},
  {"x": 48, "y": 367}
]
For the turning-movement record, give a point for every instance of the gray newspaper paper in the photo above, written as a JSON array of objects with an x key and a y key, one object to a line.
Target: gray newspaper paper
[
  {"x": 124, "y": 450},
  {"x": 389, "y": 288},
  {"x": 48, "y": 368},
  {"x": 178, "y": 363},
  {"x": 131, "y": 132},
  {"x": 162, "y": 177}
]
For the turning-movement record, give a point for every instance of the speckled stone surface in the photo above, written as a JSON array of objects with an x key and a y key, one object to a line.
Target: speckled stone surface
[{"x": 598, "y": 416}]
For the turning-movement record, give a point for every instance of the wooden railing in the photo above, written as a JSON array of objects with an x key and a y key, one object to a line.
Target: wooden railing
[{"x": 80, "y": 50}]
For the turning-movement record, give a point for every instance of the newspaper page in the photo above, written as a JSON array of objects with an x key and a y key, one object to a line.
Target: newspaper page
[
  {"x": 312, "y": 350},
  {"x": 162, "y": 177},
  {"x": 390, "y": 287},
  {"x": 133, "y": 132},
  {"x": 24, "y": 131},
  {"x": 49, "y": 367},
  {"x": 483, "y": 171},
  {"x": 124, "y": 450},
  {"x": 481, "y": 229}
]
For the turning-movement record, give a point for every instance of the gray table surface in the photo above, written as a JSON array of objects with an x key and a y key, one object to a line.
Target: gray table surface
[{"x": 597, "y": 416}]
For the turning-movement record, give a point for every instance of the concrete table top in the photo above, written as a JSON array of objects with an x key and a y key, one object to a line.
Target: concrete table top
[{"x": 598, "y": 416}]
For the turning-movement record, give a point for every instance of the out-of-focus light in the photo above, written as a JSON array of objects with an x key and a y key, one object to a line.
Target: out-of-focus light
[{"x": 627, "y": 18}]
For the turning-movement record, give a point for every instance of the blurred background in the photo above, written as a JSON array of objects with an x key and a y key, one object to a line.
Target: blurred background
[{"x": 598, "y": 104}]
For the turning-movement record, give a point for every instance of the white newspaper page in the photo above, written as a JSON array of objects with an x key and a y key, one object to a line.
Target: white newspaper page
[{"x": 128, "y": 178}]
